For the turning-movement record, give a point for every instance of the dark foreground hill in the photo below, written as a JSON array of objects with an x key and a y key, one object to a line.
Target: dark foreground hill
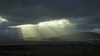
[{"x": 48, "y": 50}]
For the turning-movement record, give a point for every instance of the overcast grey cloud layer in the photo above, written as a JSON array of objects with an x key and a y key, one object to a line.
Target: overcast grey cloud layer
[{"x": 85, "y": 13}]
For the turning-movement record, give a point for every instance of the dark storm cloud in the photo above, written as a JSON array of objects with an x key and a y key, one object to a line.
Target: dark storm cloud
[
  {"x": 35, "y": 11},
  {"x": 5, "y": 25},
  {"x": 87, "y": 23},
  {"x": 23, "y": 10}
]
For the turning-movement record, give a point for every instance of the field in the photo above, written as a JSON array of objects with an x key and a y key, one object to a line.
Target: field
[{"x": 31, "y": 50}]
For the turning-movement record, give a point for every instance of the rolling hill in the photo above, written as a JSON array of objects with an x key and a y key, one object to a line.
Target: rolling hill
[{"x": 77, "y": 38}]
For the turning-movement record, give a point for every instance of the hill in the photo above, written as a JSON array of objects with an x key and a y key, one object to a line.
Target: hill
[{"x": 77, "y": 38}]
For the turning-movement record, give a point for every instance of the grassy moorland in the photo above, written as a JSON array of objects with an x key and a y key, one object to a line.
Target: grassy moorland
[{"x": 30, "y": 50}]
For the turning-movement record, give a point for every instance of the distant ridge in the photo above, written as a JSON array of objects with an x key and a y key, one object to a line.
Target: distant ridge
[
  {"x": 85, "y": 35},
  {"x": 77, "y": 38}
]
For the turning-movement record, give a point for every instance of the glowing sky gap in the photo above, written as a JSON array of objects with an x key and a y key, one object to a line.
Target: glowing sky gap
[
  {"x": 58, "y": 23},
  {"x": 2, "y": 20}
]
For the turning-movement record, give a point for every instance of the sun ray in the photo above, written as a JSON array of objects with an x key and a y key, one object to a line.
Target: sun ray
[{"x": 45, "y": 29}]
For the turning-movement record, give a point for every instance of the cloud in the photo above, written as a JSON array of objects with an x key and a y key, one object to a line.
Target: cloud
[
  {"x": 84, "y": 13},
  {"x": 96, "y": 30},
  {"x": 37, "y": 10},
  {"x": 4, "y": 23}
]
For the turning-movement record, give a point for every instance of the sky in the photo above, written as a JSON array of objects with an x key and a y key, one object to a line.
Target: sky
[{"x": 84, "y": 14}]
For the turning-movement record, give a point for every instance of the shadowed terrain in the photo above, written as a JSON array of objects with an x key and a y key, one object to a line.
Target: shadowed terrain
[
  {"x": 53, "y": 46},
  {"x": 31, "y": 50}
]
